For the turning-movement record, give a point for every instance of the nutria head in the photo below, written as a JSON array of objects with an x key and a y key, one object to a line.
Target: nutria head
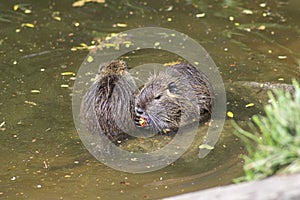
[
  {"x": 161, "y": 105},
  {"x": 176, "y": 97}
]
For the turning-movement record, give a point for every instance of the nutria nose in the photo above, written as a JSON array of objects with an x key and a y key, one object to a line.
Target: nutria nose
[{"x": 139, "y": 111}]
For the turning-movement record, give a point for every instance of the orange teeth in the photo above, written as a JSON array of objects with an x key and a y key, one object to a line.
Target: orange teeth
[{"x": 142, "y": 121}]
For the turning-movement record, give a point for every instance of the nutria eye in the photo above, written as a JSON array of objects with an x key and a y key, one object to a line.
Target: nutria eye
[{"x": 157, "y": 97}]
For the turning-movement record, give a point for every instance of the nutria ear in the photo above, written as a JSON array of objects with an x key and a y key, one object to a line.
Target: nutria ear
[{"x": 172, "y": 87}]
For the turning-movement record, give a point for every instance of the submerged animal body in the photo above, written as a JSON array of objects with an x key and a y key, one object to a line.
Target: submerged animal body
[{"x": 176, "y": 97}]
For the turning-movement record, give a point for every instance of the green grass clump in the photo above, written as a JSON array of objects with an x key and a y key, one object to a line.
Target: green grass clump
[{"x": 273, "y": 145}]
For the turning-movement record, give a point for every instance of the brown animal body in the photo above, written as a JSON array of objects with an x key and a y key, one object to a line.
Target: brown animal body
[
  {"x": 109, "y": 100},
  {"x": 176, "y": 97}
]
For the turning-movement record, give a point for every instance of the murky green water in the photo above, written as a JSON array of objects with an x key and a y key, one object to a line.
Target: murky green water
[{"x": 41, "y": 153}]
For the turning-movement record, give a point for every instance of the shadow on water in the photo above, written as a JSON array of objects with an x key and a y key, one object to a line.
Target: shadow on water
[{"x": 41, "y": 153}]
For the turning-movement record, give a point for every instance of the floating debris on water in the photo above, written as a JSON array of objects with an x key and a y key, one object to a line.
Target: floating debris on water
[
  {"x": 55, "y": 15},
  {"x": 261, "y": 27},
  {"x": 35, "y": 91},
  {"x": 29, "y": 25},
  {"x": 169, "y": 8},
  {"x": 171, "y": 63},
  {"x": 121, "y": 25},
  {"x": 206, "y": 146},
  {"x": 249, "y": 105},
  {"x": 230, "y": 114},
  {"x": 30, "y": 103},
  {"x": 64, "y": 85},
  {"x": 16, "y": 7},
  {"x": 23, "y": 7},
  {"x": 282, "y": 57},
  {"x": 200, "y": 15},
  {"x": 81, "y": 3},
  {"x": 67, "y": 74},
  {"x": 90, "y": 59},
  {"x": 2, "y": 128},
  {"x": 247, "y": 12},
  {"x": 2, "y": 124},
  {"x": 231, "y": 18},
  {"x": 27, "y": 11},
  {"x": 262, "y": 5},
  {"x": 76, "y": 24}
]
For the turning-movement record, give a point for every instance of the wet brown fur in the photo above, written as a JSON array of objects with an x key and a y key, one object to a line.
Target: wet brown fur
[{"x": 173, "y": 98}]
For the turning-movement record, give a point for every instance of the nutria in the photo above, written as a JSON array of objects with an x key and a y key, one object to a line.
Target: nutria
[
  {"x": 175, "y": 97},
  {"x": 109, "y": 100}
]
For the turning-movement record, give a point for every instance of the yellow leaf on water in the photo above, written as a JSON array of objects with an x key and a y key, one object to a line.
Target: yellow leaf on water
[
  {"x": 27, "y": 11},
  {"x": 83, "y": 44},
  {"x": 64, "y": 85},
  {"x": 30, "y": 103},
  {"x": 172, "y": 63},
  {"x": 16, "y": 7},
  {"x": 67, "y": 74},
  {"x": 90, "y": 59},
  {"x": 57, "y": 18},
  {"x": 35, "y": 91},
  {"x": 206, "y": 146},
  {"x": 121, "y": 25},
  {"x": 81, "y": 3},
  {"x": 282, "y": 57},
  {"x": 156, "y": 44},
  {"x": 249, "y": 105},
  {"x": 262, "y": 27},
  {"x": 247, "y": 12},
  {"x": 200, "y": 15},
  {"x": 78, "y": 3},
  {"x": 29, "y": 25},
  {"x": 230, "y": 114}
]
